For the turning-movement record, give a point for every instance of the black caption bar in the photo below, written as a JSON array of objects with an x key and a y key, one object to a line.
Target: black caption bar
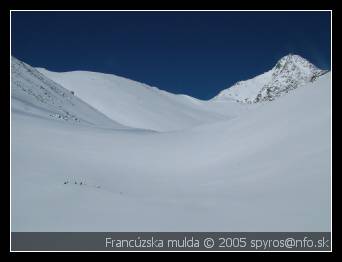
[{"x": 171, "y": 241}]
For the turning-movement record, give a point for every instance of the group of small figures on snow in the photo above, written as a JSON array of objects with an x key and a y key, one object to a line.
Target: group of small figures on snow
[{"x": 80, "y": 183}]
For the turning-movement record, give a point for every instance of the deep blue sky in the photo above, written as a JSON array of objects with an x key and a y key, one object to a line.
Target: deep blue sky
[{"x": 195, "y": 53}]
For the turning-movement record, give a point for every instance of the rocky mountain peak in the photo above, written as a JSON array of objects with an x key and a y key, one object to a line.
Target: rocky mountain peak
[{"x": 289, "y": 73}]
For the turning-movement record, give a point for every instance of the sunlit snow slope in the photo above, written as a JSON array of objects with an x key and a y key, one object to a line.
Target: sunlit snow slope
[{"x": 138, "y": 105}]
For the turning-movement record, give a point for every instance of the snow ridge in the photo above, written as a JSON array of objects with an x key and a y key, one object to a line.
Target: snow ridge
[{"x": 35, "y": 94}]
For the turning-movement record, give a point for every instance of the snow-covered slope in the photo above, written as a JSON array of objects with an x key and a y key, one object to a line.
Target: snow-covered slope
[
  {"x": 265, "y": 170},
  {"x": 138, "y": 105},
  {"x": 290, "y": 72},
  {"x": 34, "y": 93}
]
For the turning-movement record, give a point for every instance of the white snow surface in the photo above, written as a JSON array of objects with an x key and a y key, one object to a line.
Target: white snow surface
[
  {"x": 139, "y": 105},
  {"x": 221, "y": 165}
]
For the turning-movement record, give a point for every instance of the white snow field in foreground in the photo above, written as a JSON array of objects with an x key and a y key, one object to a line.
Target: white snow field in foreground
[{"x": 221, "y": 165}]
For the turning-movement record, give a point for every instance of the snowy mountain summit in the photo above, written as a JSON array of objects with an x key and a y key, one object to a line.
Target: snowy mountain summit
[{"x": 290, "y": 72}]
